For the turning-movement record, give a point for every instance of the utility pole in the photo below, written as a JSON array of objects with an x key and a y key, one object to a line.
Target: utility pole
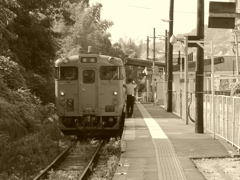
[
  {"x": 153, "y": 65},
  {"x": 147, "y": 81},
  {"x": 147, "y": 47},
  {"x": 170, "y": 60},
  {"x": 153, "y": 75},
  {"x": 200, "y": 70},
  {"x": 166, "y": 50}
]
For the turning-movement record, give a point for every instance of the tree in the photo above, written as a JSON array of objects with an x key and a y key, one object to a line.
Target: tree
[
  {"x": 88, "y": 30},
  {"x": 34, "y": 48},
  {"x": 130, "y": 47},
  {"x": 116, "y": 51},
  {"x": 6, "y": 17}
]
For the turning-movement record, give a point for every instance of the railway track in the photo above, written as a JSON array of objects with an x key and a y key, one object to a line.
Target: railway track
[{"x": 74, "y": 163}]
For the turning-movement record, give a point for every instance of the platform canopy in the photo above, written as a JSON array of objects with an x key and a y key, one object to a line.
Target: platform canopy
[
  {"x": 176, "y": 67},
  {"x": 192, "y": 64},
  {"x": 142, "y": 62}
]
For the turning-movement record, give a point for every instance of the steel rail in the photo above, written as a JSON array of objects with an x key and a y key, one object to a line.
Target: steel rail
[
  {"x": 43, "y": 174},
  {"x": 89, "y": 166}
]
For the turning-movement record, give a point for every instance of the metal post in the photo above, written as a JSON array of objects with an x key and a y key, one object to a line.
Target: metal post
[
  {"x": 236, "y": 43},
  {"x": 238, "y": 132},
  {"x": 181, "y": 78},
  {"x": 233, "y": 121},
  {"x": 238, "y": 150},
  {"x": 165, "y": 69},
  {"x": 166, "y": 47},
  {"x": 147, "y": 89},
  {"x": 137, "y": 94},
  {"x": 147, "y": 81},
  {"x": 186, "y": 78},
  {"x": 199, "y": 70},
  {"x": 213, "y": 91},
  {"x": 147, "y": 47},
  {"x": 170, "y": 59},
  {"x": 153, "y": 75}
]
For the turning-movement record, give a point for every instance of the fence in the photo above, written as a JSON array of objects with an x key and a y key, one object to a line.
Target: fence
[{"x": 226, "y": 123}]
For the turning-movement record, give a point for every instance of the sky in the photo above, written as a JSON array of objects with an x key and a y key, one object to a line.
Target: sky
[{"x": 136, "y": 19}]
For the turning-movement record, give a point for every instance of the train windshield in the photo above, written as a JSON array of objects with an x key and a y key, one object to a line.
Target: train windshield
[
  {"x": 66, "y": 73},
  {"x": 111, "y": 73},
  {"x": 88, "y": 76}
]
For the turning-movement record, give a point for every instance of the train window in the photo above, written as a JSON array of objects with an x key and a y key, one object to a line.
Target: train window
[
  {"x": 68, "y": 73},
  {"x": 56, "y": 72},
  {"x": 110, "y": 73},
  {"x": 88, "y": 76}
]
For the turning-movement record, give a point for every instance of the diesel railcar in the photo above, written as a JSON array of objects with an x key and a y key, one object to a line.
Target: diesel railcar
[{"x": 90, "y": 97}]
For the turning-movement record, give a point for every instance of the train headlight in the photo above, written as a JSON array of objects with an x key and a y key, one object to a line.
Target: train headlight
[
  {"x": 115, "y": 93},
  {"x": 62, "y": 93}
]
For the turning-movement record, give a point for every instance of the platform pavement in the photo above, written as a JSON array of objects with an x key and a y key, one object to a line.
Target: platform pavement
[{"x": 140, "y": 154}]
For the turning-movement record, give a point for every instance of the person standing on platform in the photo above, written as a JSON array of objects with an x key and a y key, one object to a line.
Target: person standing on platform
[{"x": 130, "y": 86}]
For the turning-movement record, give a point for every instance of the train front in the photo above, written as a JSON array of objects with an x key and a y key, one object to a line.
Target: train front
[{"x": 89, "y": 95}]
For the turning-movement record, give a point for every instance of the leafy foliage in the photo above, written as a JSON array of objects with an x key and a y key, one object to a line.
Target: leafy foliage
[
  {"x": 34, "y": 47},
  {"x": 130, "y": 47},
  {"x": 31, "y": 32},
  {"x": 11, "y": 74},
  {"x": 40, "y": 87},
  {"x": 27, "y": 156},
  {"x": 88, "y": 30},
  {"x": 29, "y": 133},
  {"x": 116, "y": 51},
  {"x": 6, "y": 17},
  {"x": 235, "y": 90}
]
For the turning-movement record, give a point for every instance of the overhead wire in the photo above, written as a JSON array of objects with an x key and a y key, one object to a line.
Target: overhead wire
[{"x": 147, "y": 8}]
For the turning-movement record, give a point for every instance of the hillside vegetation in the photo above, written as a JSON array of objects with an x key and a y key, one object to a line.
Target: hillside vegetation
[
  {"x": 33, "y": 35},
  {"x": 28, "y": 129}
]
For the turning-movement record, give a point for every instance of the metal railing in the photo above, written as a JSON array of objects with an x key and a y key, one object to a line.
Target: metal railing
[{"x": 227, "y": 114}]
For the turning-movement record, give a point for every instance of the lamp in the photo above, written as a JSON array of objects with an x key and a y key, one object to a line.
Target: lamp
[{"x": 173, "y": 39}]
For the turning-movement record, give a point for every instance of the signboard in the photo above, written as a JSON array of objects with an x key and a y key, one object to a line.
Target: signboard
[
  {"x": 222, "y": 7},
  {"x": 222, "y": 15},
  {"x": 221, "y": 22},
  {"x": 193, "y": 38}
]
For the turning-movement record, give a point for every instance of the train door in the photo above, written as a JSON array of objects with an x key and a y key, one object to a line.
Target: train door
[{"x": 89, "y": 97}]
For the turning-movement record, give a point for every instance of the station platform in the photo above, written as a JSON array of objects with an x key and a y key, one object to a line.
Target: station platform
[{"x": 157, "y": 145}]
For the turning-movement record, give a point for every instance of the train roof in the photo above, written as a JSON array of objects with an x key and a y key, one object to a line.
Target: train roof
[{"x": 101, "y": 59}]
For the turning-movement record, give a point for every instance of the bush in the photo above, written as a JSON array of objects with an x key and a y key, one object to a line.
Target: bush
[
  {"x": 11, "y": 73},
  {"x": 21, "y": 113},
  {"x": 41, "y": 87},
  {"x": 11, "y": 125},
  {"x": 29, "y": 132},
  {"x": 28, "y": 155}
]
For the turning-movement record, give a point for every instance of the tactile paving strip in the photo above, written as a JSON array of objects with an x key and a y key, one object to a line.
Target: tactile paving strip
[{"x": 169, "y": 167}]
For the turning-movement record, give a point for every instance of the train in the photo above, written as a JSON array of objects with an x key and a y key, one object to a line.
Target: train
[{"x": 89, "y": 95}]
